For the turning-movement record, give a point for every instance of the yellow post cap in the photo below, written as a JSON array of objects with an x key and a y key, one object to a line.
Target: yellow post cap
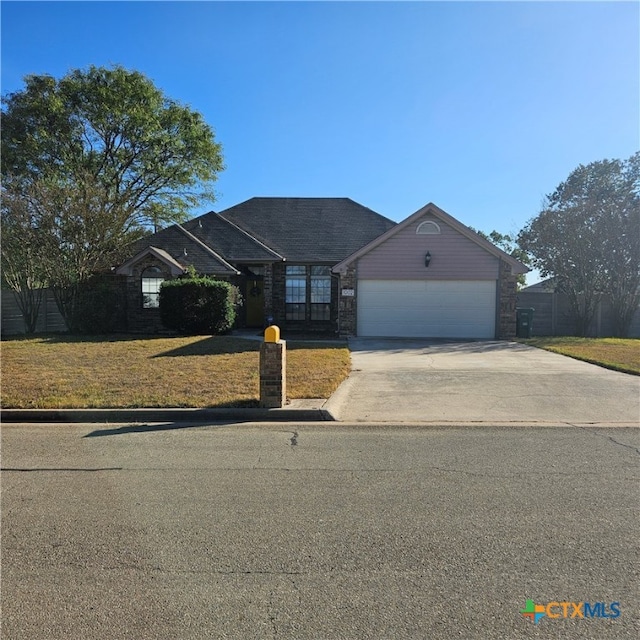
[{"x": 272, "y": 333}]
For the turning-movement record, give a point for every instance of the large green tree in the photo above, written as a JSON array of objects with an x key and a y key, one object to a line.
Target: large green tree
[
  {"x": 101, "y": 155},
  {"x": 508, "y": 244},
  {"x": 587, "y": 237}
]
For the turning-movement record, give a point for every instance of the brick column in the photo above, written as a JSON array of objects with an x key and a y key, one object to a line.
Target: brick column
[
  {"x": 347, "y": 306},
  {"x": 507, "y": 302},
  {"x": 273, "y": 374}
]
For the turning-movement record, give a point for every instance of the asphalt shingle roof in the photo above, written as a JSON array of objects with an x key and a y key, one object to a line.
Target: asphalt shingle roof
[
  {"x": 308, "y": 229},
  {"x": 175, "y": 242},
  {"x": 260, "y": 230},
  {"x": 226, "y": 239}
]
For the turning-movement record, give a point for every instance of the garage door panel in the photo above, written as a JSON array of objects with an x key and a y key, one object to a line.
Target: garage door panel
[{"x": 410, "y": 308}]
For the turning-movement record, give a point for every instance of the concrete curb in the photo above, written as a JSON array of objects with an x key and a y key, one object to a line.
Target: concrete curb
[{"x": 166, "y": 415}]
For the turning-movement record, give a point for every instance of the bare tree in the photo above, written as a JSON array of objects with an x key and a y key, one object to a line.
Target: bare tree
[{"x": 22, "y": 264}]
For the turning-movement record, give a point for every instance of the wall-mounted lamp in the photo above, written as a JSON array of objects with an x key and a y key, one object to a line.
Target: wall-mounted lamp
[{"x": 427, "y": 259}]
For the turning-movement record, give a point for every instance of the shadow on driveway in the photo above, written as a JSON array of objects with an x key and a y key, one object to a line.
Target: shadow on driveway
[{"x": 433, "y": 345}]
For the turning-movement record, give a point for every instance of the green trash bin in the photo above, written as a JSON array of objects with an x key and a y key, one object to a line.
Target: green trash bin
[{"x": 524, "y": 322}]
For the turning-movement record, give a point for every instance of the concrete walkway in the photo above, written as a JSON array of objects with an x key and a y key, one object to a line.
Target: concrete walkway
[{"x": 412, "y": 380}]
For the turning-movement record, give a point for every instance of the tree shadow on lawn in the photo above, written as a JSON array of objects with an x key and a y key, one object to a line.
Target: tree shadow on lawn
[
  {"x": 201, "y": 345},
  {"x": 219, "y": 345},
  {"x": 80, "y": 338},
  {"x": 212, "y": 345}
]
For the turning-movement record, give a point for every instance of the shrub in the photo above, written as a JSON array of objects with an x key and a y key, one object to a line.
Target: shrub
[
  {"x": 198, "y": 305},
  {"x": 94, "y": 307}
]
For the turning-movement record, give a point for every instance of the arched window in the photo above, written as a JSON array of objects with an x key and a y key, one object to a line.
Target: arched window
[
  {"x": 428, "y": 227},
  {"x": 152, "y": 278}
]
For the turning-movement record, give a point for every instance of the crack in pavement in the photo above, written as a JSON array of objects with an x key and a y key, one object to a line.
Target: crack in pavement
[
  {"x": 626, "y": 446},
  {"x": 272, "y": 615},
  {"x": 612, "y": 439}
]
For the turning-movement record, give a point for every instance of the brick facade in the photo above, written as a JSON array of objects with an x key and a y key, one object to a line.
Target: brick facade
[
  {"x": 348, "y": 305},
  {"x": 267, "y": 284},
  {"x": 507, "y": 292},
  {"x": 278, "y": 293},
  {"x": 273, "y": 374},
  {"x": 139, "y": 319}
]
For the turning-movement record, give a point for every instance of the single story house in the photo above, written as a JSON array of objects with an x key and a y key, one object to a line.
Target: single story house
[{"x": 333, "y": 265}]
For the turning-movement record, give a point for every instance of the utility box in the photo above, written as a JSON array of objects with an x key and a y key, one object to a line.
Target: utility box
[{"x": 524, "y": 323}]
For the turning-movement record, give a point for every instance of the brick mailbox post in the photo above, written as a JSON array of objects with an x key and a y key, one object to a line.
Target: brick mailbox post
[{"x": 273, "y": 369}]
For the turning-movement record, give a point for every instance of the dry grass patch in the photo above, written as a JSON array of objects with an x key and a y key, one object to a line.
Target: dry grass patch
[
  {"x": 620, "y": 354},
  {"x": 129, "y": 371}
]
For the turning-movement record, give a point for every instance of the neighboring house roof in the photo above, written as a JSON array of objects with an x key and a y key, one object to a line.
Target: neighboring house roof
[
  {"x": 431, "y": 209},
  {"x": 308, "y": 229},
  {"x": 545, "y": 286}
]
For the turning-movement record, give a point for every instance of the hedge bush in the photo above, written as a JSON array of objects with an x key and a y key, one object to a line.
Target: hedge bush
[
  {"x": 198, "y": 305},
  {"x": 94, "y": 307}
]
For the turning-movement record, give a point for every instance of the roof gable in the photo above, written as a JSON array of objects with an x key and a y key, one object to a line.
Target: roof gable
[
  {"x": 126, "y": 269},
  {"x": 435, "y": 212},
  {"x": 185, "y": 249}
]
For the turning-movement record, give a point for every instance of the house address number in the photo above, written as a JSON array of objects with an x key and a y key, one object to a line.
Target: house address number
[{"x": 348, "y": 292}]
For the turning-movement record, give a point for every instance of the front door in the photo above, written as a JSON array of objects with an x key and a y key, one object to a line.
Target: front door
[{"x": 254, "y": 302}]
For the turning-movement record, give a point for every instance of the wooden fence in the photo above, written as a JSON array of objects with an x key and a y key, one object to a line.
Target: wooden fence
[
  {"x": 552, "y": 317},
  {"x": 49, "y": 318}
]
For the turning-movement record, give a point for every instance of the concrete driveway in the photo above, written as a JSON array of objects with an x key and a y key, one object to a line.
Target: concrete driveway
[{"x": 413, "y": 380}]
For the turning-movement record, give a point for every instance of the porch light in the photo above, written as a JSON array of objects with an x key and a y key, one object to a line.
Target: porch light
[{"x": 427, "y": 259}]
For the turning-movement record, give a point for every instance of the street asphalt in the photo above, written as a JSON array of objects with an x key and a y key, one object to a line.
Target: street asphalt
[{"x": 317, "y": 531}]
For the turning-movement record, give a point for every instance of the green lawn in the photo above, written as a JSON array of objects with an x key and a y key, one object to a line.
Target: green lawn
[
  {"x": 620, "y": 354},
  {"x": 131, "y": 371}
]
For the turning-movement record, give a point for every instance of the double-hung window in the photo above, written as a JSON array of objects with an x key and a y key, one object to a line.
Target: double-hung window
[
  {"x": 296, "y": 292},
  {"x": 152, "y": 278},
  {"x": 321, "y": 293}
]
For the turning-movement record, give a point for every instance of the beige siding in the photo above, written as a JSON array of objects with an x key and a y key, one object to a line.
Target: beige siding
[{"x": 454, "y": 257}]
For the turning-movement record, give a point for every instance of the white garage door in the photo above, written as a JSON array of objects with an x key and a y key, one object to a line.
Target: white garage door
[{"x": 434, "y": 309}]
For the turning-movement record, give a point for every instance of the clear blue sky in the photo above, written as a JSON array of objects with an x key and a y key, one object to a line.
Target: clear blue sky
[{"x": 479, "y": 107}]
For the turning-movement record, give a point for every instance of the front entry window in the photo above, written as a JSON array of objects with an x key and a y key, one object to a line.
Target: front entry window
[
  {"x": 152, "y": 278},
  {"x": 308, "y": 293},
  {"x": 321, "y": 293},
  {"x": 296, "y": 292}
]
